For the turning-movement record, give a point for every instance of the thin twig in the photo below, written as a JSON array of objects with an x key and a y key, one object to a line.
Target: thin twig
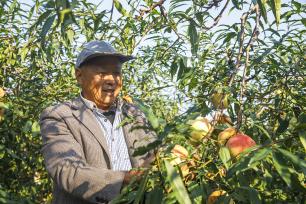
[
  {"x": 217, "y": 19},
  {"x": 169, "y": 47},
  {"x": 241, "y": 41},
  {"x": 148, "y": 10},
  {"x": 243, "y": 83}
]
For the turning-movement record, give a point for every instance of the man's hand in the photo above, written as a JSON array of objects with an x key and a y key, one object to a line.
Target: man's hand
[{"x": 132, "y": 174}]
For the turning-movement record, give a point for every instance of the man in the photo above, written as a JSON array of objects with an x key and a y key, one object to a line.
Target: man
[{"x": 87, "y": 151}]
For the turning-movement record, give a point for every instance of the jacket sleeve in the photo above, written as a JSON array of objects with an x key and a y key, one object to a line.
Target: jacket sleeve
[{"x": 65, "y": 162}]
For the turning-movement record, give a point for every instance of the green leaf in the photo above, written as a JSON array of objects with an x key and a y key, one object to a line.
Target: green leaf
[
  {"x": 263, "y": 130},
  {"x": 260, "y": 155},
  {"x": 181, "y": 70},
  {"x": 177, "y": 184},
  {"x": 294, "y": 159},
  {"x": 228, "y": 37},
  {"x": 253, "y": 195},
  {"x": 70, "y": 35},
  {"x": 120, "y": 8},
  {"x": 153, "y": 120},
  {"x": 63, "y": 14},
  {"x": 301, "y": 129},
  {"x": 23, "y": 53},
  {"x": 283, "y": 125},
  {"x": 236, "y": 4},
  {"x": 154, "y": 196},
  {"x": 193, "y": 37},
  {"x": 302, "y": 136},
  {"x": 225, "y": 156},
  {"x": 276, "y": 7},
  {"x": 46, "y": 27},
  {"x": 173, "y": 68},
  {"x": 263, "y": 10},
  {"x": 281, "y": 168},
  {"x": 141, "y": 188},
  {"x": 303, "y": 20},
  {"x": 302, "y": 118}
]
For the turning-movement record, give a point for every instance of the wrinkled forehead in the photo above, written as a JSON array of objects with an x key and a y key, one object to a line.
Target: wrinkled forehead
[{"x": 108, "y": 63}]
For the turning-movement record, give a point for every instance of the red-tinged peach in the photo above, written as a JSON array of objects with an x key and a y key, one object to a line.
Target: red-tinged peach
[{"x": 239, "y": 143}]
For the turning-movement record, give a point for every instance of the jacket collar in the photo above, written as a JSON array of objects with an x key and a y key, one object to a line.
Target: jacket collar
[{"x": 87, "y": 118}]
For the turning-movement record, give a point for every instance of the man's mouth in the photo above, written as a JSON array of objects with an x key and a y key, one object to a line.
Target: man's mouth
[{"x": 109, "y": 91}]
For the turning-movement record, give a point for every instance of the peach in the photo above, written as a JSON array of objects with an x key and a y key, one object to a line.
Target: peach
[
  {"x": 199, "y": 128},
  {"x": 212, "y": 198},
  {"x": 219, "y": 100},
  {"x": 226, "y": 134},
  {"x": 239, "y": 143}
]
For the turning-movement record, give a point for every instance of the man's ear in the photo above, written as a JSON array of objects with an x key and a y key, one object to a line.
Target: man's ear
[{"x": 78, "y": 75}]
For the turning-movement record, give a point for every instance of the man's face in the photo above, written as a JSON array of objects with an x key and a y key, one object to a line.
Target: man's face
[{"x": 101, "y": 81}]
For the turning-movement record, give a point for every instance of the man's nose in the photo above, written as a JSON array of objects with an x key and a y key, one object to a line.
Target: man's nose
[{"x": 110, "y": 79}]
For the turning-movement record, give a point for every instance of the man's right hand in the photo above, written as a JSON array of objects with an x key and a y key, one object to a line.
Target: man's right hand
[{"x": 132, "y": 174}]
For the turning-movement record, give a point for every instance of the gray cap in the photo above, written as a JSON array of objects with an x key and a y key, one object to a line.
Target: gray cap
[{"x": 99, "y": 48}]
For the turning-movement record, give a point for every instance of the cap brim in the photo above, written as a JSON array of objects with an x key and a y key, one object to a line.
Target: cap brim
[{"x": 122, "y": 58}]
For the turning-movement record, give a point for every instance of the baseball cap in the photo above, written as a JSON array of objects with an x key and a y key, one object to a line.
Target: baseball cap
[{"x": 99, "y": 48}]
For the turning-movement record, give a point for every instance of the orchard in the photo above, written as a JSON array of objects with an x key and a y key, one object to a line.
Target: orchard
[{"x": 222, "y": 83}]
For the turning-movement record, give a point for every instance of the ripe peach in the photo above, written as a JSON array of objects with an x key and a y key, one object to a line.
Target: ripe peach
[
  {"x": 180, "y": 151},
  {"x": 179, "y": 155},
  {"x": 2, "y": 92},
  {"x": 212, "y": 198},
  {"x": 225, "y": 135},
  {"x": 239, "y": 143}
]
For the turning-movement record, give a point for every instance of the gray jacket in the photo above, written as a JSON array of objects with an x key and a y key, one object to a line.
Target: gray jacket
[{"x": 76, "y": 155}]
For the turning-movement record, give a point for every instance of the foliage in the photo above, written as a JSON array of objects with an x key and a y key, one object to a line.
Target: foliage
[{"x": 184, "y": 55}]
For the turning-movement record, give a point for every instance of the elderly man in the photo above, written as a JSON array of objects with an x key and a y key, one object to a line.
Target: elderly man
[{"x": 87, "y": 145}]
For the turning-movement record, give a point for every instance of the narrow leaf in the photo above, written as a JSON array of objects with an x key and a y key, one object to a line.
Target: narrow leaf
[
  {"x": 294, "y": 159},
  {"x": 225, "y": 156},
  {"x": 276, "y": 6},
  {"x": 120, "y": 8},
  {"x": 153, "y": 120},
  {"x": 281, "y": 168},
  {"x": 302, "y": 135},
  {"x": 46, "y": 27},
  {"x": 260, "y": 155},
  {"x": 193, "y": 36},
  {"x": 263, "y": 130},
  {"x": 177, "y": 184},
  {"x": 141, "y": 189},
  {"x": 253, "y": 195},
  {"x": 263, "y": 10}
]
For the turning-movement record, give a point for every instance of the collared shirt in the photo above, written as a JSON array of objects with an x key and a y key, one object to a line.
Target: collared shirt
[{"x": 113, "y": 132}]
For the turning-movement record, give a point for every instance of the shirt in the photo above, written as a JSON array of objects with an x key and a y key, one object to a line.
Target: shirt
[{"x": 113, "y": 132}]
